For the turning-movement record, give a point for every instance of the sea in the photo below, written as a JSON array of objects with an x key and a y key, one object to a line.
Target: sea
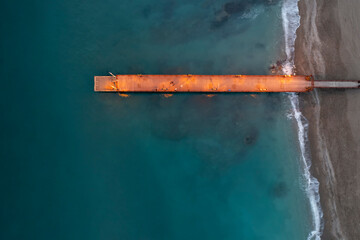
[{"x": 76, "y": 164}]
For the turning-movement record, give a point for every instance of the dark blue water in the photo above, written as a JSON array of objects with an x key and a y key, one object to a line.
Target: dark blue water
[{"x": 82, "y": 165}]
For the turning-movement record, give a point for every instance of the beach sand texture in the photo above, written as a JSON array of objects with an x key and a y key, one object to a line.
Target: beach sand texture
[{"x": 328, "y": 47}]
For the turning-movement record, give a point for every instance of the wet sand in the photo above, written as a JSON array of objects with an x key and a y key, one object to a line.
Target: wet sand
[{"x": 328, "y": 47}]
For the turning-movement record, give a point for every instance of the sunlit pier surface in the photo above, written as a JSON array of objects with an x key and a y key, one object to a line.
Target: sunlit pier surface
[{"x": 213, "y": 83}]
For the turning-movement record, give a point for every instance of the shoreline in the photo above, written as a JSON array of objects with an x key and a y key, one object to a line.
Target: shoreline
[{"x": 326, "y": 47}]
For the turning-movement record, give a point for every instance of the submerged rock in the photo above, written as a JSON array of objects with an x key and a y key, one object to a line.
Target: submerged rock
[
  {"x": 260, "y": 45},
  {"x": 235, "y": 7},
  {"x": 279, "y": 190},
  {"x": 251, "y": 137},
  {"x": 146, "y": 12},
  {"x": 221, "y": 17},
  {"x": 228, "y": 9},
  {"x": 271, "y": 2}
]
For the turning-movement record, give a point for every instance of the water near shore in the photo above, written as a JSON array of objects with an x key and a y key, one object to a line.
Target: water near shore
[
  {"x": 76, "y": 164},
  {"x": 291, "y": 22}
]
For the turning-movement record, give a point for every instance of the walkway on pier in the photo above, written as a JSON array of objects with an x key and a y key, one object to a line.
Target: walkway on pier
[
  {"x": 203, "y": 83},
  {"x": 214, "y": 83},
  {"x": 336, "y": 84}
]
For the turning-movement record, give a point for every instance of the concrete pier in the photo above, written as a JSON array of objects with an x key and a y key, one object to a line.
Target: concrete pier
[{"x": 213, "y": 83}]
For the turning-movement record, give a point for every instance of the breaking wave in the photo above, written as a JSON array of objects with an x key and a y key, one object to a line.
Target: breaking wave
[
  {"x": 311, "y": 183},
  {"x": 291, "y": 21}
]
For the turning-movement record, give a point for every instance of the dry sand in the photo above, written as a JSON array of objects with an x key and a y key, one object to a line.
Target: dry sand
[{"x": 328, "y": 46}]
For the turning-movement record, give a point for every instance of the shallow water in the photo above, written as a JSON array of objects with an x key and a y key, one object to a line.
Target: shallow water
[{"x": 78, "y": 164}]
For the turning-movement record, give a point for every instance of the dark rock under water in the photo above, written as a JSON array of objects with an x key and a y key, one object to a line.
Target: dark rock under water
[
  {"x": 234, "y": 8},
  {"x": 279, "y": 190}
]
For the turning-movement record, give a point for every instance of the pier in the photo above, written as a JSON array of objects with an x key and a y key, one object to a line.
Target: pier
[{"x": 214, "y": 83}]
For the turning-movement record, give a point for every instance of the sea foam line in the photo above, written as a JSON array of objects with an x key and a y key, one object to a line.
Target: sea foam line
[
  {"x": 311, "y": 183},
  {"x": 291, "y": 21}
]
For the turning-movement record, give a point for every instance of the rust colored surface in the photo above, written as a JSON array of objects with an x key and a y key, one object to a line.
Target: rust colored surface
[{"x": 202, "y": 83}]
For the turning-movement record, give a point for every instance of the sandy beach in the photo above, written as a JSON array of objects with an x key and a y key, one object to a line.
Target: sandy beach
[{"x": 328, "y": 47}]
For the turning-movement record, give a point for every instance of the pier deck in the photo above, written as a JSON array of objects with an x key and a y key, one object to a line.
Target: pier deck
[
  {"x": 336, "y": 84},
  {"x": 214, "y": 83},
  {"x": 202, "y": 83}
]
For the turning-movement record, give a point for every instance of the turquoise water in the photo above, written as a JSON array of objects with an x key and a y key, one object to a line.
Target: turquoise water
[{"x": 82, "y": 165}]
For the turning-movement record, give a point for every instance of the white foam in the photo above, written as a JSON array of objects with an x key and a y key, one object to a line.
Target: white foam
[
  {"x": 291, "y": 21},
  {"x": 253, "y": 13},
  {"x": 311, "y": 183}
]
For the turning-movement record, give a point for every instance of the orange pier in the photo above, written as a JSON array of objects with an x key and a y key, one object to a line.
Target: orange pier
[{"x": 213, "y": 83}]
